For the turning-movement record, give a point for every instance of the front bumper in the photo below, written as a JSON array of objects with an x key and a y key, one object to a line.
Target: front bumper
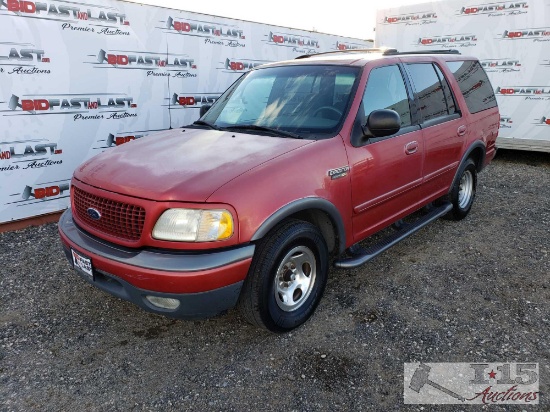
[{"x": 206, "y": 283}]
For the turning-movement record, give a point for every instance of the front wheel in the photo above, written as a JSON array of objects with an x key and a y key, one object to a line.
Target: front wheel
[
  {"x": 463, "y": 192},
  {"x": 287, "y": 277}
]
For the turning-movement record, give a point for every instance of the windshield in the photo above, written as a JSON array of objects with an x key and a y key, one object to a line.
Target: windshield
[{"x": 303, "y": 101}]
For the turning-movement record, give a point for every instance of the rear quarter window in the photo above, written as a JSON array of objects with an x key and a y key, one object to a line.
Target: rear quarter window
[{"x": 474, "y": 85}]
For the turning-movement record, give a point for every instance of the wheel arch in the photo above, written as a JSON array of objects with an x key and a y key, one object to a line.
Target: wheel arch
[
  {"x": 476, "y": 152},
  {"x": 320, "y": 212}
]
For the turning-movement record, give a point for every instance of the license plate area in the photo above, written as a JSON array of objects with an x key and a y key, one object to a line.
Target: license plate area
[{"x": 83, "y": 264}]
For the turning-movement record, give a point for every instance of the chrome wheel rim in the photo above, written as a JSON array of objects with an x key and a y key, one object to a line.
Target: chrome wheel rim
[
  {"x": 295, "y": 278},
  {"x": 465, "y": 189}
]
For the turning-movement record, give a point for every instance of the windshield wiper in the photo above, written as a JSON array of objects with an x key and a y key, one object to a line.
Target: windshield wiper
[
  {"x": 203, "y": 123},
  {"x": 263, "y": 129}
]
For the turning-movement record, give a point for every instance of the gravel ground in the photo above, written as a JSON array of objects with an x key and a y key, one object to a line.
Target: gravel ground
[{"x": 470, "y": 291}]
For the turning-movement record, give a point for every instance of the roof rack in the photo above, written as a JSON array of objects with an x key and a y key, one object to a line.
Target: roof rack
[
  {"x": 372, "y": 50},
  {"x": 383, "y": 51},
  {"x": 391, "y": 52}
]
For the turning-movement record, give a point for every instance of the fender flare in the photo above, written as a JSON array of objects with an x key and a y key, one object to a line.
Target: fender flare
[
  {"x": 476, "y": 145},
  {"x": 300, "y": 205}
]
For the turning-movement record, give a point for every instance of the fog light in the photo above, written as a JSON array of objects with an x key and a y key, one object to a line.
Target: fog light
[{"x": 164, "y": 303}]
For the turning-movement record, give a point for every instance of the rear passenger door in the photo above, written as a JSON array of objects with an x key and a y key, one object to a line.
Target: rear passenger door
[{"x": 443, "y": 127}]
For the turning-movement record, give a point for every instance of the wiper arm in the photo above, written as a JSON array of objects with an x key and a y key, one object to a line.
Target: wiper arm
[
  {"x": 263, "y": 129},
  {"x": 203, "y": 123}
]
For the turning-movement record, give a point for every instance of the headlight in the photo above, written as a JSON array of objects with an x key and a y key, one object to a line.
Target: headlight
[{"x": 194, "y": 225}]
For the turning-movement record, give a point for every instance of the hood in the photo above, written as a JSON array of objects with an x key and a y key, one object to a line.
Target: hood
[{"x": 181, "y": 165}]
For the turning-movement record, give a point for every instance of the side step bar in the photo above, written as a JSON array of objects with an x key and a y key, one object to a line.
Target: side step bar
[{"x": 362, "y": 256}]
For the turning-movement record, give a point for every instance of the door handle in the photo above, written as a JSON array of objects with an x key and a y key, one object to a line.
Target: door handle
[
  {"x": 411, "y": 147},
  {"x": 461, "y": 131}
]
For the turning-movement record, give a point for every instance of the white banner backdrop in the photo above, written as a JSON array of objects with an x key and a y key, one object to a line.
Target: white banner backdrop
[
  {"x": 512, "y": 41},
  {"x": 79, "y": 78}
]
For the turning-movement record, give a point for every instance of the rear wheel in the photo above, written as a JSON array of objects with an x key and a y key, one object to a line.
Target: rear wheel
[
  {"x": 287, "y": 277},
  {"x": 463, "y": 192}
]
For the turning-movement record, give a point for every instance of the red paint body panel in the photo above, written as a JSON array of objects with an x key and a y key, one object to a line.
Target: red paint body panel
[
  {"x": 181, "y": 165},
  {"x": 169, "y": 282}
]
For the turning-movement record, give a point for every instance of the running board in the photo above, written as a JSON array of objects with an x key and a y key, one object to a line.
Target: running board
[{"x": 362, "y": 256}]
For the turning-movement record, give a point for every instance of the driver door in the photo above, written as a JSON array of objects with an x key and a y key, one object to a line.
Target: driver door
[{"x": 386, "y": 172}]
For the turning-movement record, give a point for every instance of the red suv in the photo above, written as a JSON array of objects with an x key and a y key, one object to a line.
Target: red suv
[{"x": 296, "y": 162}]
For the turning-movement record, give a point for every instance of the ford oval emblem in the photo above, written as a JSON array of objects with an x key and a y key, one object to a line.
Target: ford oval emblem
[{"x": 93, "y": 213}]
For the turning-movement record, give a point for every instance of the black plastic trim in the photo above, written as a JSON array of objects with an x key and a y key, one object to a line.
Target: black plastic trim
[
  {"x": 299, "y": 206},
  {"x": 477, "y": 144},
  {"x": 408, "y": 229},
  {"x": 192, "y": 305},
  {"x": 150, "y": 259}
]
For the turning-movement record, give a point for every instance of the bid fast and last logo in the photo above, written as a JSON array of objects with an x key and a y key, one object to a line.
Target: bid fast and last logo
[
  {"x": 73, "y": 16},
  {"x": 41, "y": 192},
  {"x": 505, "y": 65},
  {"x": 536, "y": 35},
  {"x": 23, "y": 58},
  {"x": 192, "y": 100},
  {"x": 498, "y": 9},
  {"x": 120, "y": 138},
  {"x": 449, "y": 41},
  {"x": 527, "y": 92},
  {"x": 299, "y": 44},
  {"x": 412, "y": 19},
  {"x": 213, "y": 33},
  {"x": 343, "y": 46},
  {"x": 29, "y": 154},
  {"x": 238, "y": 65},
  {"x": 96, "y": 106},
  {"x": 155, "y": 64}
]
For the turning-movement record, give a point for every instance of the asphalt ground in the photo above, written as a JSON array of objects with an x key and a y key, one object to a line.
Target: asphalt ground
[{"x": 470, "y": 291}]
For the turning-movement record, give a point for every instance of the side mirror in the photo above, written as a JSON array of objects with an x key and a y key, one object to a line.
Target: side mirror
[
  {"x": 382, "y": 123},
  {"x": 204, "y": 108}
]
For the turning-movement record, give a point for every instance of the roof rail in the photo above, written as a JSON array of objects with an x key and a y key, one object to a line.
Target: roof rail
[
  {"x": 383, "y": 51},
  {"x": 372, "y": 50},
  {"x": 391, "y": 52}
]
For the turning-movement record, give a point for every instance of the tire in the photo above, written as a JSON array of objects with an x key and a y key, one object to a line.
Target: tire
[
  {"x": 287, "y": 277},
  {"x": 463, "y": 192}
]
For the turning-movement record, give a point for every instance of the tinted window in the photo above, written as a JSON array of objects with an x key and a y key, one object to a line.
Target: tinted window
[
  {"x": 429, "y": 91},
  {"x": 386, "y": 90},
  {"x": 449, "y": 99},
  {"x": 474, "y": 85}
]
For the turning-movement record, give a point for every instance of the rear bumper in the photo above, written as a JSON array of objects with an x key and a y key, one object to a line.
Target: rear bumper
[{"x": 205, "y": 284}]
